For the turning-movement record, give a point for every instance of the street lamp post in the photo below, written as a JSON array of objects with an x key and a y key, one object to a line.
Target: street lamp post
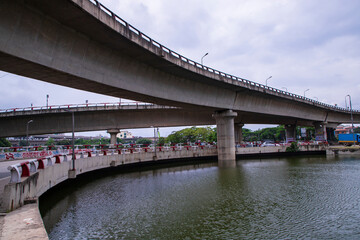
[
  {"x": 346, "y": 106},
  {"x": 73, "y": 141},
  {"x": 306, "y": 91},
  {"x": 47, "y": 100},
  {"x": 27, "y": 132},
  {"x": 352, "y": 119},
  {"x": 203, "y": 58},
  {"x": 154, "y": 141},
  {"x": 73, "y": 138},
  {"x": 267, "y": 80}
]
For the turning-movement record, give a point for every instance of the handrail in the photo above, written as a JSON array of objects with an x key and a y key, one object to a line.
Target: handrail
[
  {"x": 81, "y": 105},
  {"x": 245, "y": 83}
]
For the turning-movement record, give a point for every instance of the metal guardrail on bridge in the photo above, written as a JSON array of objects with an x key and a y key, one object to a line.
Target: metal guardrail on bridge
[{"x": 82, "y": 105}]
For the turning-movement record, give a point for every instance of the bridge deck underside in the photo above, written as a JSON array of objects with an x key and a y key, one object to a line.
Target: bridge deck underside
[{"x": 81, "y": 49}]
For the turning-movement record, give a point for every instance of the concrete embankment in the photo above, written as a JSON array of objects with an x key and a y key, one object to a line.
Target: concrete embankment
[
  {"x": 29, "y": 188},
  {"x": 26, "y": 220},
  {"x": 343, "y": 150},
  {"x": 278, "y": 151}
]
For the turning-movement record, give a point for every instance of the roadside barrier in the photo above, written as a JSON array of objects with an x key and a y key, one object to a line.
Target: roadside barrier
[
  {"x": 24, "y": 169},
  {"x": 18, "y": 171}
]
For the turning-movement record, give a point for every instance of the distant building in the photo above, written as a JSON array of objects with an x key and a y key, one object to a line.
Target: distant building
[
  {"x": 124, "y": 135},
  {"x": 341, "y": 129}
]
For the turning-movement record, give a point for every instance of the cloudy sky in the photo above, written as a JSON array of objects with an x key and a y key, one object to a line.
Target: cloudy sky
[{"x": 302, "y": 44}]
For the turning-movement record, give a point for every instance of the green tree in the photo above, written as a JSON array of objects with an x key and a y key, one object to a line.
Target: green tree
[
  {"x": 249, "y": 135},
  {"x": 23, "y": 143},
  {"x": 293, "y": 147},
  {"x": 161, "y": 140},
  {"x": 193, "y": 134},
  {"x": 64, "y": 142},
  {"x": 97, "y": 141},
  {"x": 357, "y": 130},
  {"x": 50, "y": 142},
  {"x": 4, "y": 142},
  {"x": 213, "y": 135},
  {"x": 82, "y": 141},
  {"x": 144, "y": 141}
]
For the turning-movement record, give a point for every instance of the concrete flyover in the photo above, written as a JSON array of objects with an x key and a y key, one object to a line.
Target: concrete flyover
[
  {"x": 115, "y": 116},
  {"x": 58, "y": 119},
  {"x": 90, "y": 48}
]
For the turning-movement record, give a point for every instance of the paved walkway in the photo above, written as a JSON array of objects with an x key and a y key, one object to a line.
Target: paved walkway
[
  {"x": 1, "y": 225},
  {"x": 23, "y": 223},
  {"x": 26, "y": 218}
]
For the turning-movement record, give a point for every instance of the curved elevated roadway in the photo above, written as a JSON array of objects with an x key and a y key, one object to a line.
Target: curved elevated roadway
[{"x": 82, "y": 44}]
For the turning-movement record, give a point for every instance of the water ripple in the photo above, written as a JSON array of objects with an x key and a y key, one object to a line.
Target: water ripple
[{"x": 298, "y": 198}]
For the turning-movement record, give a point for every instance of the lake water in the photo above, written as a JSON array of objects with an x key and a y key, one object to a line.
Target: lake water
[{"x": 287, "y": 198}]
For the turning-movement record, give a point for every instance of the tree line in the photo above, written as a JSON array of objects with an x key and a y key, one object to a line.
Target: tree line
[{"x": 192, "y": 134}]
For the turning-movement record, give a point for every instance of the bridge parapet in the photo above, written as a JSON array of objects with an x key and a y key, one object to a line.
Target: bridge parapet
[{"x": 80, "y": 107}]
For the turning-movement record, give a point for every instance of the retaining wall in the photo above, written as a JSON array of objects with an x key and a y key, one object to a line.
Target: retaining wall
[{"x": 28, "y": 189}]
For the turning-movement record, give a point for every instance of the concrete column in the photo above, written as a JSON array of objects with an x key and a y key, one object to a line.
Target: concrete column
[
  {"x": 238, "y": 133},
  {"x": 225, "y": 137},
  {"x": 320, "y": 131},
  {"x": 330, "y": 135},
  {"x": 290, "y": 133},
  {"x": 113, "y": 134}
]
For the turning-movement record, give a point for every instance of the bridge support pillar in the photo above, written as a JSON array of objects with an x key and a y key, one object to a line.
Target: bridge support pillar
[
  {"x": 320, "y": 131},
  {"x": 238, "y": 133},
  {"x": 113, "y": 133},
  {"x": 290, "y": 132},
  {"x": 225, "y": 137},
  {"x": 330, "y": 135}
]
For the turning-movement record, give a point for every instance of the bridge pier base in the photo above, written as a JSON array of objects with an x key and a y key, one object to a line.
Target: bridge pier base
[
  {"x": 113, "y": 133},
  {"x": 238, "y": 133},
  {"x": 225, "y": 137},
  {"x": 290, "y": 132},
  {"x": 72, "y": 174}
]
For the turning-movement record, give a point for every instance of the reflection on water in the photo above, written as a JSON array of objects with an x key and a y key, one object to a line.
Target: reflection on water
[{"x": 294, "y": 198}]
